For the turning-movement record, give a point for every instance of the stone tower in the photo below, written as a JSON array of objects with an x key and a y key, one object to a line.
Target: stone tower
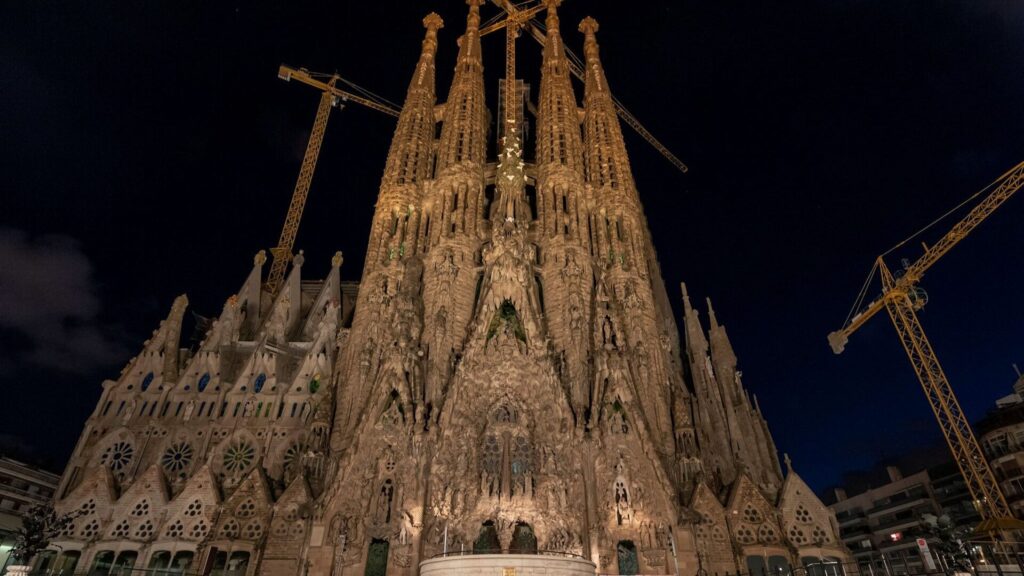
[{"x": 506, "y": 379}]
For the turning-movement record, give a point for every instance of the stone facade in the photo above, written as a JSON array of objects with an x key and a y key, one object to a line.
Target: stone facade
[{"x": 511, "y": 380}]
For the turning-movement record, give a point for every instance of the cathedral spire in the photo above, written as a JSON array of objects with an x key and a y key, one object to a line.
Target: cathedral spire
[
  {"x": 558, "y": 127},
  {"x": 410, "y": 157},
  {"x": 463, "y": 136},
  {"x": 607, "y": 164}
]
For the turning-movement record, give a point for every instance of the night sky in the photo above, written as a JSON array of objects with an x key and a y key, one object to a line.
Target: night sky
[{"x": 148, "y": 149}]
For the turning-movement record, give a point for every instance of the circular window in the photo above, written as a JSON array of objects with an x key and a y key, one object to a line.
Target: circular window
[
  {"x": 147, "y": 381},
  {"x": 175, "y": 530},
  {"x": 257, "y": 385},
  {"x": 238, "y": 457},
  {"x": 253, "y": 530},
  {"x": 194, "y": 509},
  {"x": 90, "y": 529},
  {"x": 177, "y": 457},
  {"x": 246, "y": 509},
  {"x": 293, "y": 455},
  {"x": 204, "y": 381},
  {"x": 230, "y": 529},
  {"x": 141, "y": 509},
  {"x": 752, "y": 515},
  {"x": 144, "y": 531},
  {"x": 117, "y": 456},
  {"x": 199, "y": 530}
]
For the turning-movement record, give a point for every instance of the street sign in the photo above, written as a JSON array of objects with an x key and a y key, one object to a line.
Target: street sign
[{"x": 926, "y": 555}]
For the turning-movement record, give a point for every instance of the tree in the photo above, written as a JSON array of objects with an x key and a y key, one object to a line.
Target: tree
[
  {"x": 951, "y": 541},
  {"x": 40, "y": 524}
]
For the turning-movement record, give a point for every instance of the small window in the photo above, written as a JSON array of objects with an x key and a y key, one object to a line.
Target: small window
[
  {"x": 257, "y": 385},
  {"x": 204, "y": 381},
  {"x": 147, "y": 381}
]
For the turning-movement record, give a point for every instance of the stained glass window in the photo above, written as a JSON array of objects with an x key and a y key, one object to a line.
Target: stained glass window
[
  {"x": 238, "y": 457},
  {"x": 204, "y": 381},
  {"x": 147, "y": 381},
  {"x": 118, "y": 456},
  {"x": 257, "y": 386},
  {"x": 177, "y": 457}
]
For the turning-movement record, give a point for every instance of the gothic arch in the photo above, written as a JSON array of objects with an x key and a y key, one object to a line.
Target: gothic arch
[
  {"x": 753, "y": 520},
  {"x": 807, "y": 522}
]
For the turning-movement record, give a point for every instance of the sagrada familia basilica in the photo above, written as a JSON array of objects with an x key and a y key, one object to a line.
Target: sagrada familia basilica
[{"x": 505, "y": 390}]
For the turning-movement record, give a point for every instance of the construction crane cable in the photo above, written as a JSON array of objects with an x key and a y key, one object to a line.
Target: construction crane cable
[
  {"x": 370, "y": 95},
  {"x": 859, "y": 301},
  {"x": 941, "y": 218}
]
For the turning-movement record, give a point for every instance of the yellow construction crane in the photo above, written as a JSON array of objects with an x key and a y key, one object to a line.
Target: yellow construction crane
[
  {"x": 522, "y": 15},
  {"x": 332, "y": 96},
  {"x": 519, "y": 16},
  {"x": 901, "y": 298}
]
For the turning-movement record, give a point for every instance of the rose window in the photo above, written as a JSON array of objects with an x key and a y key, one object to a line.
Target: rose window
[
  {"x": 797, "y": 536},
  {"x": 294, "y": 453},
  {"x": 745, "y": 535},
  {"x": 118, "y": 456},
  {"x": 819, "y": 535},
  {"x": 88, "y": 507},
  {"x": 238, "y": 457},
  {"x": 177, "y": 457}
]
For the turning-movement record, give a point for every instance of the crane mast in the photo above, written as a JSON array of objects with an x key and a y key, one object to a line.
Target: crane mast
[
  {"x": 900, "y": 300},
  {"x": 331, "y": 96},
  {"x": 282, "y": 253}
]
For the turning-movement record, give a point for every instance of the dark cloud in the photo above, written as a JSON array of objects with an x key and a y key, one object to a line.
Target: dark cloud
[{"x": 49, "y": 304}]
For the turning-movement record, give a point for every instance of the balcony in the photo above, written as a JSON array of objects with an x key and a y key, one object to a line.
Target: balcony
[{"x": 902, "y": 499}]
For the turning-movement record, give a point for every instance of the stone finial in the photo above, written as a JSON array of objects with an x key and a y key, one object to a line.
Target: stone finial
[
  {"x": 711, "y": 314},
  {"x": 337, "y": 260},
  {"x": 789, "y": 463},
  {"x": 589, "y": 26},
  {"x": 433, "y": 22},
  {"x": 299, "y": 259},
  {"x": 473, "y": 20},
  {"x": 552, "y": 15},
  {"x": 260, "y": 258}
]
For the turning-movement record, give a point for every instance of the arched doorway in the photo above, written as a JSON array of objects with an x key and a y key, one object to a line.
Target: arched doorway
[
  {"x": 377, "y": 558},
  {"x": 487, "y": 542},
  {"x": 626, "y": 553},
  {"x": 523, "y": 540}
]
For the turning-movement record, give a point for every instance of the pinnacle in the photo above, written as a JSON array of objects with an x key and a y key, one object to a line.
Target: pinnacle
[
  {"x": 433, "y": 22},
  {"x": 589, "y": 26},
  {"x": 711, "y": 315}
]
